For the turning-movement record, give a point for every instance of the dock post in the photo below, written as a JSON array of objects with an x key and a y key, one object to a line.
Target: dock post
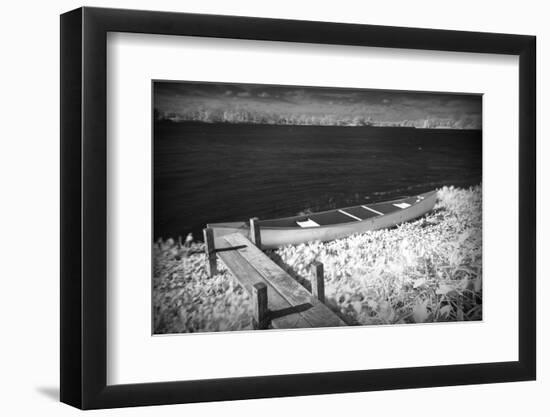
[
  {"x": 318, "y": 282},
  {"x": 259, "y": 305},
  {"x": 255, "y": 232},
  {"x": 211, "y": 264}
]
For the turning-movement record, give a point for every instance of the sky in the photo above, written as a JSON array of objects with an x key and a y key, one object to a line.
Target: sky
[{"x": 272, "y": 104}]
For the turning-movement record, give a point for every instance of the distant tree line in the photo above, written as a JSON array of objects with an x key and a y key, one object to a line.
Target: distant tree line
[{"x": 256, "y": 117}]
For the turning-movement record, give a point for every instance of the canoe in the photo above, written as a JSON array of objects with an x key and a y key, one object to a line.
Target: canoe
[{"x": 332, "y": 224}]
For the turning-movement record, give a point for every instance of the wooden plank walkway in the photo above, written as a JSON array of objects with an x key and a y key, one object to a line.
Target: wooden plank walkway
[{"x": 288, "y": 304}]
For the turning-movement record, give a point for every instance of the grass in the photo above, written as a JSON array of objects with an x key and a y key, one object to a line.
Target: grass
[{"x": 427, "y": 270}]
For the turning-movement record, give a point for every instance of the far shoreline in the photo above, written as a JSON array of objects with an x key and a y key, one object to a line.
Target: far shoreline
[{"x": 282, "y": 125}]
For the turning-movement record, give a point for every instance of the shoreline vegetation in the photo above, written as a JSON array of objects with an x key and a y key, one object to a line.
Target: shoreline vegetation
[
  {"x": 407, "y": 124},
  {"x": 427, "y": 270}
]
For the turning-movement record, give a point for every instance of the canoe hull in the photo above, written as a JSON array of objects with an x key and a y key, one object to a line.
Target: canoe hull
[{"x": 275, "y": 237}]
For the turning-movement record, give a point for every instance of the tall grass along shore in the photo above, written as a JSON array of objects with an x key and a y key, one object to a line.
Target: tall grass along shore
[{"x": 427, "y": 270}]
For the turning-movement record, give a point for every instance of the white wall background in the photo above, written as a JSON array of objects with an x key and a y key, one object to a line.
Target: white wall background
[{"x": 29, "y": 177}]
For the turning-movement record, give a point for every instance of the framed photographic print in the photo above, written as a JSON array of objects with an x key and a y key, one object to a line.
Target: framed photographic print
[{"x": 257, "y": 208}]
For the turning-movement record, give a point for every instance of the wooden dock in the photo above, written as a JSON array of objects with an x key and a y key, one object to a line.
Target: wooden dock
[{"x": 279, "y": 301}]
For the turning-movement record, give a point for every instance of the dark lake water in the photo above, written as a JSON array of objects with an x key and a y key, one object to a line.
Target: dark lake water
[{"x": 206, "y": 173}]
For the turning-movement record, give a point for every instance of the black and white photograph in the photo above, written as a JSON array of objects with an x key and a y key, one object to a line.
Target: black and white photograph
[
  {"x": 269, "y": 209},
  {"x": 281, "y": 207}
]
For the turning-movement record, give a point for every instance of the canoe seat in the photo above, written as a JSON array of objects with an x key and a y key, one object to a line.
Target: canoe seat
[{"x": 307, "y": 223}]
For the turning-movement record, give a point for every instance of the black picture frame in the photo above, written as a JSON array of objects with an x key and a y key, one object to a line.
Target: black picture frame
[{"x": 84, "y": 223}]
